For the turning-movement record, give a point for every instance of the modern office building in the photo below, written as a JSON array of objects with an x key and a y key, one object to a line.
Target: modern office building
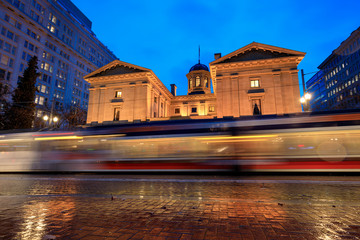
[
  {"x": 337, "y": 86},
  {"x": 60, "y": 35},
  {"x": 255, "y": 79},
  {"x": 315, "y": 86}
]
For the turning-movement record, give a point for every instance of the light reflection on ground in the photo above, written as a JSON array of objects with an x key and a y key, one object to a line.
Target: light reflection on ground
[{"x": 203, "y": 207}]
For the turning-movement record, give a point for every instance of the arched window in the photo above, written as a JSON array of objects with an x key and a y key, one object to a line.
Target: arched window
[
  {"x": 197, "y": 83},
  {"x": 190, "y": 83},
  {"x": 206, "y": 82}
]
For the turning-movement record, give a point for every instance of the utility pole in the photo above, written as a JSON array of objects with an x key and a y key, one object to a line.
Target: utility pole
[
  {"x": 303, "y": 80},
  {"x": 51, "y": 112}
]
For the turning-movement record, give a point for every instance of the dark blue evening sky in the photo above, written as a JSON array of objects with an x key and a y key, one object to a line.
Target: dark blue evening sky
[{"x": 164, "y": 35}]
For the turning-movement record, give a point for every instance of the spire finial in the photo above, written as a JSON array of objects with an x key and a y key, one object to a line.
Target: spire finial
[{"x": 199, "y": 53}]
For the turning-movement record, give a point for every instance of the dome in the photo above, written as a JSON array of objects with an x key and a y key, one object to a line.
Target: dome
[{"x": 199, "y": 66}]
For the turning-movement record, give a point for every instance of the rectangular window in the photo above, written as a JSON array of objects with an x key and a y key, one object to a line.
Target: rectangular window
[
  {"x": 194, "y": 110},
  {"x": 41, "y": 100},
  {"x": 118, "y": 94},
  {"x": 4, "y": 60},
  {"x": 10, "y": 35},
  {"x": 43, "y": 89},
  {"x": 7, "y": 47},
  {"x": 8, "y": 76},
  {"x": 212, "y": 109},
  {"x": 177, "y": 110},
  {"x": 254, "y": 83},
  {"x": 2, "y": 74}
]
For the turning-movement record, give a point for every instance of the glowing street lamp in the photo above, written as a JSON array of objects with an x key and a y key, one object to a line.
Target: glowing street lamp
[
  {"x": 305, "y": 100},
  {"x": 50, "y": 121}
]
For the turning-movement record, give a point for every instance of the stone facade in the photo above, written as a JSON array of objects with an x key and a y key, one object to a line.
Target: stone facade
[
  {"x": 257, "y": 74},
  {"x": 256, "y": 79},
  {"x": 124, "y": 92}
]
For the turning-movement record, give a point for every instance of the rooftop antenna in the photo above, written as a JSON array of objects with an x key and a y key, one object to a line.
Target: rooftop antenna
[{"x": 199, "y": 54}]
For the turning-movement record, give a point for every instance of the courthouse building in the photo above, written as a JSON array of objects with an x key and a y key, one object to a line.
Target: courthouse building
[{"x": 255, "y": 79}]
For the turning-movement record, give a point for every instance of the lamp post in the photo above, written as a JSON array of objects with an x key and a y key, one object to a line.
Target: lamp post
[
  {"x": 305, "y": 100},
  {"x": 50, "y": 120}
]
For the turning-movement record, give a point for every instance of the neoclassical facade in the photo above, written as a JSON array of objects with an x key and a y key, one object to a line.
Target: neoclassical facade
[{"x": 255, "y": 79}]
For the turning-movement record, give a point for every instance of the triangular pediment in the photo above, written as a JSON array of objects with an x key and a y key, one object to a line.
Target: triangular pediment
[
  {"x": 257, "y": 51},
  {"x": 116, "y": 67}
]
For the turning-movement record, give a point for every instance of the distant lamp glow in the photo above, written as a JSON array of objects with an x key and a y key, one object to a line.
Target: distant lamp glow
[
  {"x": 55, "y": 119},
  {"x": 305, "y": 101},
  {"x": 46, "y": 117}
]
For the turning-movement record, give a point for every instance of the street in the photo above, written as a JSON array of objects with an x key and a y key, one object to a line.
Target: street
[{"x": 89, "y": 206}]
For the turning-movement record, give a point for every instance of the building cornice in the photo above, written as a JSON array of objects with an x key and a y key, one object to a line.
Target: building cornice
[
  {"x": 127, "y": 78},
  {"x": 209, "y": 96},
  {"x": 113, "y": 64},
  {"x": 257, "y": 46}
]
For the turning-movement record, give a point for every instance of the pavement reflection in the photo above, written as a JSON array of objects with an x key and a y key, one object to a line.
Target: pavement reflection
[{"x": 182, "y": 207}]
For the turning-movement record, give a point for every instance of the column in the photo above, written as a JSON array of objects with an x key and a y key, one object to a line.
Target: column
[
  {"x": 296, "y": 92},
  {"x": 102, "y": 104},
  {"x": 219, "y": 98},
  {"x": 91, "y": 114},
  {"x": 235, "y": 108}
]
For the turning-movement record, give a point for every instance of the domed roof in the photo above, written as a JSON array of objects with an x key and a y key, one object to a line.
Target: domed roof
[{"x": 199, "y": 66}]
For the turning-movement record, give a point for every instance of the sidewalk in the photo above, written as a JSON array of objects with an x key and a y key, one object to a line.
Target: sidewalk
[
  {"x": 65, "y": 209},
  {"x": 152, "y": 218}
]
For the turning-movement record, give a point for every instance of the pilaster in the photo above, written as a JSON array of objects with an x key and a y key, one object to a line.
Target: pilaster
[{"x": 278, "y": 93}]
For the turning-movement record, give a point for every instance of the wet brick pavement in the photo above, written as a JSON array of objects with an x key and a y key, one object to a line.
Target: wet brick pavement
[{"x": 178, "y": 207}]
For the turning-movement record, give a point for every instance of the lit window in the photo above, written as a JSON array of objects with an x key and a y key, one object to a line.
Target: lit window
[
  {"x": 43, "y": 89},
  {"x": 41, "y": 101},
  {"x": 197, "y": 81},
  {"x": 118, "y": 94},
  {"x": 212, "y": 109},
  {"x": 254, "y": 83},
  {"x": 4, "y": 59}
]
